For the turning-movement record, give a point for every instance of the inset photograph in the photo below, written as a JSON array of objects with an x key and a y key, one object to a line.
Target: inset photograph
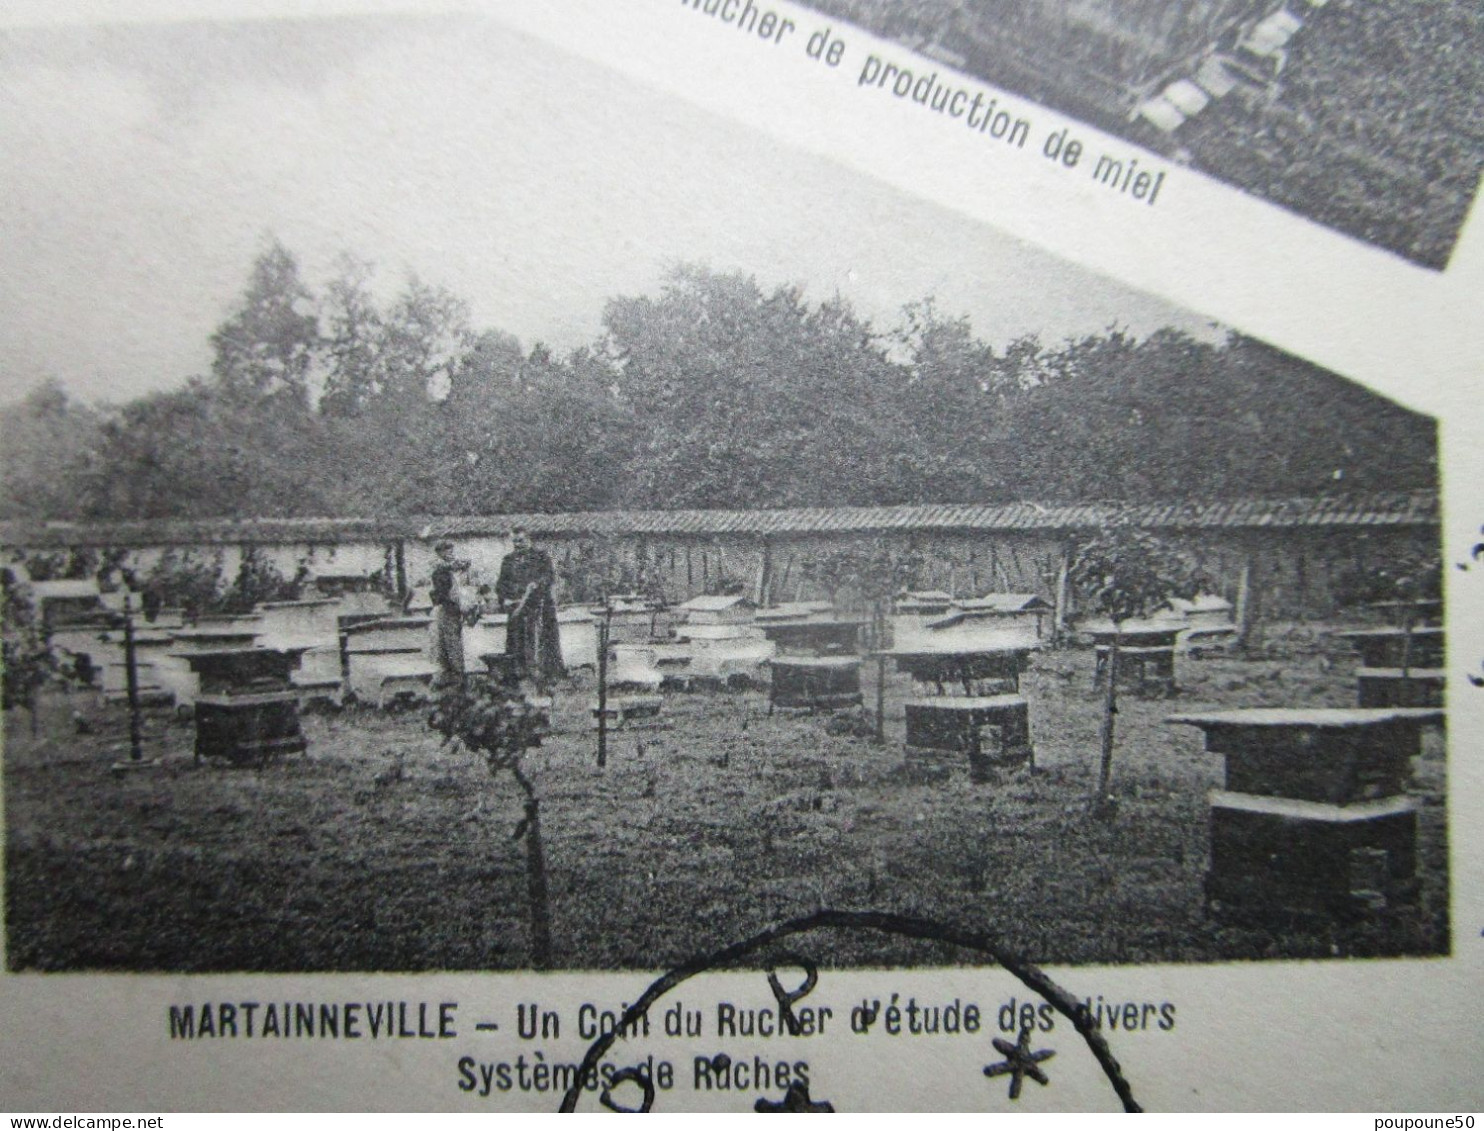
[
  {"x": 442, "y": 530},
  {"x": 1361, "y": 115}
]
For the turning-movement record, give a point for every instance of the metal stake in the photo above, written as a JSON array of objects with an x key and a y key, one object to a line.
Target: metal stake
[
  {"x": 603, "y": 634},
  {"x": 131, "y": 669}
]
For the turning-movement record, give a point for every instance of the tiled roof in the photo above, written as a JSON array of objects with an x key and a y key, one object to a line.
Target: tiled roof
[{"x": 1417, "y": 508}]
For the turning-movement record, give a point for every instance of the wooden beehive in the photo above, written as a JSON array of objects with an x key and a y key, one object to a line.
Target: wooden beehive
[
  {"x": 1392, "y": 647},
  {"x": 793, "y": 611},
  {"x": 718, "y": 610},
  {"x": 248, "y": 728},
  {"x": 112, "y": 665},
  {"x": 731, "y": 658},
  {"x": 911, "y": 613},
  {"x": 577, "y": 633},
  {"x": 62, "y": 603},
  {"x": 923, "y": 603},
  {"x": 172, "y": 666},
  {"x": 631, "y": 618},
  {"x": 485, "y": 637},
  {"x": 244, "y": 670},
  {"x": 387, "y": 658},
  {"x": 313, "y": 619},
  {"x": 1203, "y": 611},
  {"x": 86, "y": 649},
  {"x": 386, "y": 635},
  {"x": 1395, "y": 687},
  {"x": 817, "y": 683},
  {"x": 1314, "y": 819},
  {"x": 312, "y": 628},
  {"x": 247, "y": 709},
  {"x": 992, "y": 731},
  {"x": 1335, "y": 756},
  {"x": 1275, "y": 859},
  {"x": 814, "y": 637},
  {"x": 634, "y": 666},
  {"x": 996, "y": 619}
]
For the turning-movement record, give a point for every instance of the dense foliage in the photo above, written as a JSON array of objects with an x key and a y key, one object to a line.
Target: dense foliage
[
  {"x": 715, "y": 392},
  {"x": 1407, "y": 574},
  {"x": 500, "y": 724},
  {"x": 493, "y": 721},
  {"x": 26, "y": 663},
  {"x": 1123, "y": 572}
]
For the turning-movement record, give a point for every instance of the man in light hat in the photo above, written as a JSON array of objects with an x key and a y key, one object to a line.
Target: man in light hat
[{"x": 448, "y": 614}]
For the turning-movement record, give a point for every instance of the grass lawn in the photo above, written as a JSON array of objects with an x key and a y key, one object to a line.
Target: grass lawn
[{"x": 381, "y": 850}]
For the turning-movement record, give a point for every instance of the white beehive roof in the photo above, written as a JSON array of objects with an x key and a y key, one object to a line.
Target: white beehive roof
[
  {"x": 1201, "y": 603},
  {"x": 64, "y": 590},
  {"x": 926, "y": 599},
  {"x": 1161, "y": 113},
  {"x": 1272, "y": 34},
  {"x": 794, "y": 610},
  {"x": 715, "y": 603},
  {"x": 1187, "y": 97},
  {"x": 1215, "y": 79},
  {"x": 1004, "y": 603}
]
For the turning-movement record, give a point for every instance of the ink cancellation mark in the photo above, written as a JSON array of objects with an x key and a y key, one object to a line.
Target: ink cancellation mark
[{"x": 1021, "y": 1060}]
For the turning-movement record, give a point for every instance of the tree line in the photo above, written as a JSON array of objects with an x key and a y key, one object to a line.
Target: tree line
[{"x": 715, "y": 392}]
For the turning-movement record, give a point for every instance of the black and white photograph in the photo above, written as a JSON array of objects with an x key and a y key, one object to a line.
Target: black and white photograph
[
  {"x": 445, "y": 531},
  {"x": 1361, "y": 115}
]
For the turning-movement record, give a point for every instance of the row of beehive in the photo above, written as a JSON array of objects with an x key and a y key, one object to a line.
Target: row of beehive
[{"x": 350, "y": 644}]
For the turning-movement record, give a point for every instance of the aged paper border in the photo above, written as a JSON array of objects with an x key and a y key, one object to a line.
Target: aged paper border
[{"x": 1368, "y": 1035}]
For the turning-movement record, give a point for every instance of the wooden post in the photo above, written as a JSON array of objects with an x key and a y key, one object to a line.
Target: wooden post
[
  {"x": 878, "y": 631},
  {"x": 131, "y": 675},
  {"x": 1407, "y": 612},
  {"x": 1244, "y": 601},
  {"x": 765, "y": 572},
  {"x": 399, "y": 566},
  {"x": 604, "y": 628},
  {"x": 1110, "y": 712},
  {"x": 1059, "y": 598},
  {"x": 536, "y": 889}
]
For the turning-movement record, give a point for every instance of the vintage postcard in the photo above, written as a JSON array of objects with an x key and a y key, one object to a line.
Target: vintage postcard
[{"x": 585, "y": 556}]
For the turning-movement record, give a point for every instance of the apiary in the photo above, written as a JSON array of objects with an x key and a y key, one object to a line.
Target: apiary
[{"x": 247, "y": 710}]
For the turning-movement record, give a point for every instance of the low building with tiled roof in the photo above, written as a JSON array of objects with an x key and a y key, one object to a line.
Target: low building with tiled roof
[{"x": 1289, "y": 549}]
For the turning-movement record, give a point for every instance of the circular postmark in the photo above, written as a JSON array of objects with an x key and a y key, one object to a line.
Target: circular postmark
[{"x": 1020, "y": 1060}]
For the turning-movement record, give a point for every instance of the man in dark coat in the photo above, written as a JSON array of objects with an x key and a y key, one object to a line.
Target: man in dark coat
[{"x": 526, "y": 592}]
